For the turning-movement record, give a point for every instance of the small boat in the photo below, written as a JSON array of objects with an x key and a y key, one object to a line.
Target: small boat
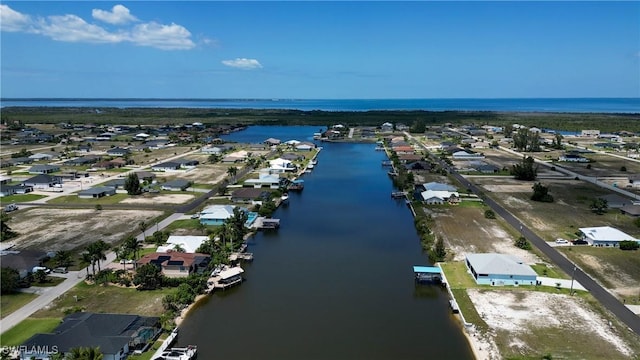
[
  {"x": 296, "y": 185},
  {"x": 284, "y": 199},
  {"x": 187, "y": 353}
]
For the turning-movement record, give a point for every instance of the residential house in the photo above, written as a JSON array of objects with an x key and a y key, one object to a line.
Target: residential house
[
  {"x": 7, "y": 190},
  {"x": 146, "y": 176},
  {"x": 22, "y": 261},
  {"x": 141, "y": 136},
  {"x": 499, "y": 270},
  {"x": 117, "y": 335},
  {"x": 634, "y": 181},
  {"x": 43, "y": 181},
  {"x": 464, "y": 155},
  {"x": 212, "y": 150},
  {"x": 43, "y": 169},
  {"x": 115, "y": 183},
  {"x": 405, "y": 158},
  {"x": 264, "y": 179},
  {"x": 167, "y": 166},
  {"x": 187, "y": 244},
  {"x": 440, "y": 197},
  {"x": 305, "y": 146},
  {"x": 604, "y": 236},
  {"x": 176, "y": 185},
  {"x": 41, "y": 156},
  {"x": 97, "y": 192},
  {"x": 590, "y": 133},
  {"x": 217, "y": 214},
  {"x": 20, "y": 161},
  {"x": 187, "y": 163},
  {"x": 118, "y": 151},
  {"x": 83, "y": 160},
  {"x": 418, "y": 166},
  {"x": 291, "y": 156},
  {"x": 176, "y": 264},
  {"x": 436, "y": 186},
  {"x": 281, "y": 165},
  {"x": 272, "y": 142},
  {"x": 292, "y": 143}
]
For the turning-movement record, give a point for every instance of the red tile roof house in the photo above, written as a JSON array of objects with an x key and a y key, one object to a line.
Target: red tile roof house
[{"x": 177, "y": 264}]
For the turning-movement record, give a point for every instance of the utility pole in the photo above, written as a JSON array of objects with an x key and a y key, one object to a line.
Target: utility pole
[{"x": 573, "y": 274}]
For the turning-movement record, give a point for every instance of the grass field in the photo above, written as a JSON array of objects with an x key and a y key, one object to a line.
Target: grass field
[
  {"x": 26, "y": 329},
  {"x": 74, "y": 199},
  {"x": 12, "y": 302},
  {"x": 20, "y": 198},
  {"x": 106, "y": 299}
]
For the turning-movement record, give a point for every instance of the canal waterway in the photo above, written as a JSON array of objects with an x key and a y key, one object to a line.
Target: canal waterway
[{"x": 336, "y": 280}]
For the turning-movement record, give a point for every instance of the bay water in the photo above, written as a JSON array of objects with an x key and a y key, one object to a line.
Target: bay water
[{"x": 336, "y": 280}]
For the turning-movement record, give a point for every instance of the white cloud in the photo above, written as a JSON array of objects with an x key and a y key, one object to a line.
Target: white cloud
[
  {"x": 166, "y": 37},
  {"x": 72, "y": 28},
  {"x": 119, "y": 14},
  {"x": 11, "y": 20},
  {"x": 243, "y": 63}
]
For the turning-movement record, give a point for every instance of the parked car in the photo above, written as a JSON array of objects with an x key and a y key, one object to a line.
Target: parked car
[
  {"x": 580, "y": 242},
  {"x": 11, "y": 207},
  {"x": 60, "y": 270},
  {"x": 38, "y": 268},
  {"x": 561, "y": 241}
]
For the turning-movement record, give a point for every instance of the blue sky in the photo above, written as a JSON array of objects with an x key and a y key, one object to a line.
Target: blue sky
[{"x": 313, "y": 50}]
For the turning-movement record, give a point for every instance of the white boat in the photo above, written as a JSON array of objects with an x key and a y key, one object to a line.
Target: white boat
[
  {"x": 284, "y": 198},
  {"x": 186, "y": 353}
]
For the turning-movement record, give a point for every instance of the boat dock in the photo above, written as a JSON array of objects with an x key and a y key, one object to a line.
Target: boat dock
[
  {"x": 387, "y": 163},
  {"x": 263, "y": 223},
  {"x": 222, "y": 279},
  {"x": 240, "y": 256},
  {"x": 398, "y": 194},
  {"x": 427, "y": 273}
]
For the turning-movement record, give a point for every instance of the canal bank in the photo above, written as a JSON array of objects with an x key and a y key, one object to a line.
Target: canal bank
[{"x": 335, "y": 281}]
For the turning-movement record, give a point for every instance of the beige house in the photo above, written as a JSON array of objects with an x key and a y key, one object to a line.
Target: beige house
[{"x": 177, "y": 264}]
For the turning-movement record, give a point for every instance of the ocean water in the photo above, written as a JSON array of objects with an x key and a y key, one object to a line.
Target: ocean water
[{"x": 579, "y": 105}]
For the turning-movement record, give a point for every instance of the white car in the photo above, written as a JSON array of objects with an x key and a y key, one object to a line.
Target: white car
[
  {"x": 38, "y": 268},
  {"x": 561, "y": 241}
]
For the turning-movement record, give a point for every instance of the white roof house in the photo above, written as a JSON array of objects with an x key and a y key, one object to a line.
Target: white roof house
[
  {"x": 466, "y": 155},
  {"x": 293, "y": 142},
  {"x": 217, "y": 212},
  {"x": 438, "y": 194},
  {"x": 605, "y": 236},
  {"x": 188, "y": 243},
  {"x": 438, "y": 186},
  {"x": 264, "y": 179},
  {"x": 281, "y": 165},
  {"x": 500, "y": 269}
]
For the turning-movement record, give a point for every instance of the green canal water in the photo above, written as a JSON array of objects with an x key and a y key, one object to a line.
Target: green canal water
[{"x": 335, "y": 281}]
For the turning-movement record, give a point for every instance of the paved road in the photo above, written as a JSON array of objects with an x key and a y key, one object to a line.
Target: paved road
[
  {"x": 601, "y": 294},
  {"x": 73, "y": 278}
]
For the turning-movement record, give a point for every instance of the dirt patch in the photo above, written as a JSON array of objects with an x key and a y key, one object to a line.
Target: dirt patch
[
  {"x": 160, "y": 199},
  {"x": 66, "y": 229},
  {"x": 508, "y": 188},
  {"x": 520, "y": 315},
  {"x": 203, "y": 174}
]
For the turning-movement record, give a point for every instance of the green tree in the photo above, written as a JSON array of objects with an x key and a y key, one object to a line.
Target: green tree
[
  {"x": 214, "y": 158},
  {"x": 629, "y": 245},
  {"x": 523, "y": 243},
  {"x": 5, "y": 231},
  {"x": 526, "y": 170},
  {"x": 440, "y": 251},
  {"x": 132, "y": 184},
  {"x": 63, "y": 258},
  {"x": 599, "y": 206},
  {"x": 143, "y": 227},
  {"x": 541, "y": 193},
  {"x": 133, "y": 245},
  {"x": 40, "y": 276},
  {"x": 236, "y": 225},
  {"x": 9, "y": 280},
  {"x": 232, "y": 172},
  {"x": 148, "y": 277},
  {"x": 96, "y": 251}
]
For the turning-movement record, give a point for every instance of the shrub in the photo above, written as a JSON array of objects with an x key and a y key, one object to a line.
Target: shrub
[
  {"x": 523, "y": 243},
  {"x": 489, "y": 214},
  {"x": 629, "y": 245}
]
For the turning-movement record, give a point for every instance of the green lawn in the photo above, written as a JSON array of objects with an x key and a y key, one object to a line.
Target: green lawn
[
  {"x": 12, "y": 302},
  {"x": 50, "y": 281},
  {"x": 74, "y": 199},
  {"x": 468, "y": 310},
  {"x": 457, "y": 276},
  {"x": 20, "y": 198},
  {"x": 192, "y": 224},
  {"x": 106, "y": 299},
  {"x": 548, "y": 271},
  {"x": 27, "y": 328}
]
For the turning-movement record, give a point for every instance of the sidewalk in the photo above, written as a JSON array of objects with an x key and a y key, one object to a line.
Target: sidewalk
[{"x": 564, "y": 283}]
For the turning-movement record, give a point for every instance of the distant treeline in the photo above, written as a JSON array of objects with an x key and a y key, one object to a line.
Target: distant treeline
[{"x": 417, "y": 119}]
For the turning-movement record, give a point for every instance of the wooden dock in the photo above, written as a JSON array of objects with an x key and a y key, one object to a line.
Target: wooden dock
[
  {"x": 427, "y": 274},
  {"x": 398, "y": 194}
]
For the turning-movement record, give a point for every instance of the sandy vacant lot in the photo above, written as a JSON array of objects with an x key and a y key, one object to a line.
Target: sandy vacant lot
[
  {"x": 518, "y": 318},
  {"x": 160, "y": 199},
  {"x": 65, "y": 229}
]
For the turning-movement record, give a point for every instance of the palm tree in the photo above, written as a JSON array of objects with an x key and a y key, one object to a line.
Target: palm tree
[
  {"x": 232, "y": 171},
  {"x": 143, "y": 227},
  {"x": 86, "y": 258},
  {"x": 123, "y": 253},
  {"x": 85, "y": 353},
  {"x": 63, "y": 258},
  {"x": 96, "y": 251},
  {"x": 133, "y": 245}
]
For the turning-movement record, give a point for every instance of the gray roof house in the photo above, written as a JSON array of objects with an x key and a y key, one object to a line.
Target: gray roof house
[
  {"x": 615, "y": 201},
  {"x": 6, "y": 190},
  {"x": 43, "y": 181},
  {"x": 436, "y": 186},
  {"x": 118, "y": 151},
  {"x": 43, "y": 169},
  {"x": 176, "y": 185},
  {"x": 115, "y": 334},
  {"x": 97, "y": 192},
  {"x": 23, "y": 261},
  {"x": 166, "y": 166}
]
